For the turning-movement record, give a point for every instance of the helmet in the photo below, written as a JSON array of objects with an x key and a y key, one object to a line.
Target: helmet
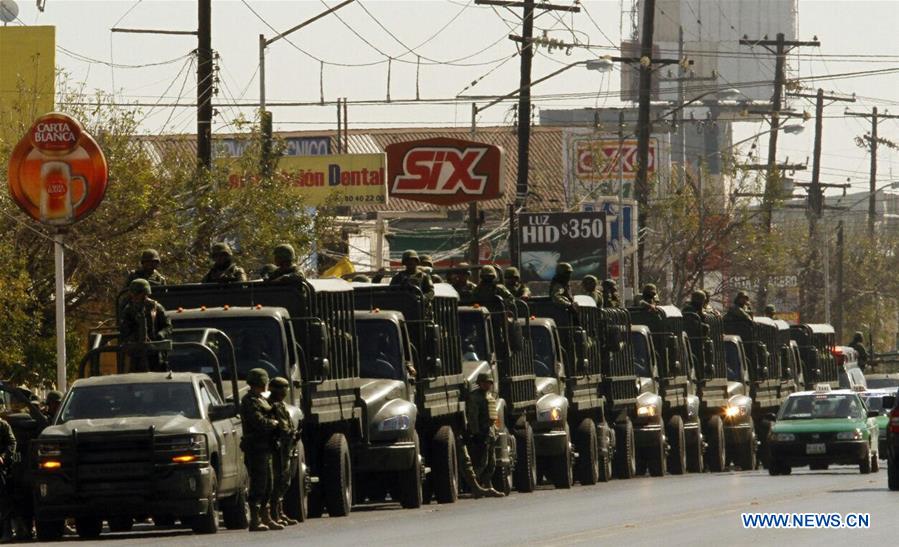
[
  {"x": 609, "y": 284},
  {"x": 140, "y": 286},
  {"x": 267, "y": 270},
  {"x": 649, "y": 287},
  {"x": 742, "y": 294},
  {"x": 220, "y": 248},
  {"x": 564, "y": 268},
  {"x": 462, "y": 268},
  {"x": 770, "y": 309},
  {"x": 278, "y": 383},
  {"x": 512, "y": 273},
  {"x": 426, "y": 261},
  {"x": 589, "y": 279},
  {"x": 285, "y": 253},
  {"x": 54, "y": 396},
  {"x": 361, "y": 278},
  {"x": 484, "y": 377},
  {"x": 488, "y": 272},
  {"x": 257, "y": 377},
  {"x": 697, "y": 296},
  {"x": 410, "y": 254},
  {"x": 148, "y": 255}
]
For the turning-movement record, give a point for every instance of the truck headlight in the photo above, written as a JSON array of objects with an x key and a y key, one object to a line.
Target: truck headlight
[
  {"x": 553, "y": 414},
  {"x": 783, "y": 437},
  {"x": 49, "y": 450},
  {"x": 400, "y": 422},
  {"x": 183, "y": 448},
  {"x": 732, "y": 411},
  {"x": 854, "y": 435},
  {"x": 647, "y": 411}
]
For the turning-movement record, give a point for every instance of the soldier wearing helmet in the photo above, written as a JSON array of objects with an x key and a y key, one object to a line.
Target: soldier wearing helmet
[
  {"x": 149, "y": 269},
  {"x": 460, "y": 278},
  {"x": 286, "y": 437},
  {"x": 488, "y": 289},
  {"x": 413, "y": 275},
  {"x": 589, "y": 285},
  {"x": 770, "y": 311},
  {"x": 143, "y": 320},
  {"x": 286, "y": 270},
  {"x": 224, "y": 270},
  {"x": 696, "y": 304},
  {"x": 610, "y": 294},
  {"x": 512, "y": 281},
  {"x": 266, "y": 271},
  {"x": 741, "y": 310},
  {"x": 558, "y": 287},
  {"x": 259, "y": 429}
]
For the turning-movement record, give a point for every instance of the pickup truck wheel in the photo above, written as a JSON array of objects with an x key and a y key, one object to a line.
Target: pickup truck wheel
[
  {"x": 677, "y": 456},
  {"x": 606, "y": 449},
  {"x": 409, "y": 481},
  {"x": 444, "y": 467},
  {"x": 525, "y": 475},
  {"x": 864, "y": 466},
  {"x": 746, "y": 455},
  {"x": 296, "y": 501},
  {"x": 234, "y": 511},
  {"x": 626, "y": 457},
  {"x": 120, "y": 524},
  {"x": 88, "y": 527},
  {"x": 208, "y": 522},
  {"x": 892, "y": 474},
  {"x": 337, "y": 476},
  {"x": 715, "y": 457},
  {"x": 656, "y": 460},
  {"x": 694, "y": 451},
  {"x": 562, "y": 470},
  {"x": 49, "y": 530},
  {"x": 588, "y": 452}
]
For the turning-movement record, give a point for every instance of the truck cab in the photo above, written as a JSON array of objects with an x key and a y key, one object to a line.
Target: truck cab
[{"x": 816, "y": 342}]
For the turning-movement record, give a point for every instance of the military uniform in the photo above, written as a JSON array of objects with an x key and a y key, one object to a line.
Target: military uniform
[
  {"x": 149, "y": 262},
  {"x": 413, "y": 275},
  {"x": 286, "y": 270},
  {"x": 285, "y": 437},
  {"x": 231, "y": 273},
  {"x": 7, "y": 454},
  {"x": 489, "y": 289},
  {"x": 739, "y": 312},
  {"x": 650, "y": 297},
  {"x": 610, "y": 294},
  {"x": 696, "y": 304},
  {"x": 512, "y": 279},
  {"x": 589, "y": 284},
  {"x": 259, "y": 427},
  {"x": 141, "y": 322},
  {"x": 465, "y": 288},
  {"x": 558, "y": 287},
  {"x": 858, "y": 344},
  {"x": 482, "y": 416}
]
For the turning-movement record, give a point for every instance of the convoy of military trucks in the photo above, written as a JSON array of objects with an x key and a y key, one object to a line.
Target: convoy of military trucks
[{"x": 379, "y": 377}]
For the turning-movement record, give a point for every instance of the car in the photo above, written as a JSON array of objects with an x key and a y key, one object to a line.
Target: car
[
  {"x": 880, "y": 400},
  {"x": 822, "y": 427}
]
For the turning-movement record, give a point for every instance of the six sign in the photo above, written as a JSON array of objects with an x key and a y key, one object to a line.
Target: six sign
[{"x": 444, "y": 171}]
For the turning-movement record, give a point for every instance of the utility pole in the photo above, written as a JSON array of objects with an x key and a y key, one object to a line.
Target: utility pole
[
  {"x": 872, "y": 142},
  {"x": 644, "y": 126},
  {"x": 205, "y": 83},
  {"x": 838, "y": 315},
  {"x": 473, "y": 220}
]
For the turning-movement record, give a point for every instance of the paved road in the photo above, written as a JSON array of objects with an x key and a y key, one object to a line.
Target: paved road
[{"x": 691, "y": 509}]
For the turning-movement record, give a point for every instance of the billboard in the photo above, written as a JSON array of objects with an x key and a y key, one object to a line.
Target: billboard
[
  {"x": 337, "y": 180},
  {"x": 27, "y": 71},
  {"x": 628, "y": 211},
  {"x": 445, "y": 171},
  {"x": 293, "y": 146},
  {"x": 545, "y": 239}
]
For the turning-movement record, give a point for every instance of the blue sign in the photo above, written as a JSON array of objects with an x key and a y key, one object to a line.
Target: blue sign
[{"x": 293, "y": 146}]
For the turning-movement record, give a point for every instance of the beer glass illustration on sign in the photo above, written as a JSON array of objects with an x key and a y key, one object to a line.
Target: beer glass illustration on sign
[{"x": 56, "y": 193}]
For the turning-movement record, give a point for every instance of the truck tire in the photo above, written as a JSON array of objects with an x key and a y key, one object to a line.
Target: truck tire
[
  {"x": 561, "y": 468},
  {"x": 296, "y": 500},
  {"x": 746, "y": 454},
  {"x": 677, "y": 456},
  {"x": 337, "y": 476},
  {"x": 892, "y": 475},
  {"x": 525, "y": 475},
  {"x": 120, "y": 524},
  {"x": 316, "y": 507},
  {"x": 49, "y": 530},
  {"x": 88, "y": 527},
  {"x": 208, "y": 522},
  {"x": 763, "y": 427},
  {"x": 502, "y": 479},
  {"x": 626, "y": 457},
  {"x": 409, "y": 481},
  {"x": 588, "y": 452},
  {"x": 444, "y": 477},
  {"x": 606, "y": 451},
  {"x": 694, "y": 451},
  {"x": 234, "y": 511},
  {"x": 715, "y": 456},
  {"x": 656, "y": 461}
]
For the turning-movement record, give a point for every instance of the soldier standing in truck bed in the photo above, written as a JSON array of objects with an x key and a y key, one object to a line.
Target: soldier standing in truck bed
[
  {"x": 259, "y": 427},
  {"x": 413, "y": 275},
  {"x": 558, "y": 287},
  {"x": 741, "y": 310},
  {"x": 223, "y": 269},
  {"x": 610, "y": 294},
  {"x": 460, "y": 278},
  {"x": 143, "y": 320},
  {"x": 589, "y": 284},
  {"x": 488, "y": 288},
  {"x": 149, "y": 269},
  {"x": 512, "y": 281},
  {"x": 286, "y": 270}
]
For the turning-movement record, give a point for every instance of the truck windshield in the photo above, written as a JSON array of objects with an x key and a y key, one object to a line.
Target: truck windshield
[
  {"x": 544, "y": 356},
  {"x": 878, "y": 383},
  {"x": 131, "y": 400},
  {"x": 474, "y": 336},
  {"x": 380, "y": 352},
  {"x": 642, "y": 361},
  {"x": 732, "y": 359},
  {"x": 822, "y": 405},
  {"x": 257, "y": 342}
]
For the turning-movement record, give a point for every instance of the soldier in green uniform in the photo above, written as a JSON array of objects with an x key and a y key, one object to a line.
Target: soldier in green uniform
[
  {"x": 460, "y": 279},
  {"x": 481, "y": 445},
  {"x": 770, "y": 311},
  {"x": 741, "y": 310},
  {"x": 488, "y": 288},
  {"x": 590, "y": 286},
  {"x": 286, "y": 270},
  {"x": 512, "y": 280},
  {"x": 52, "y": 402},
  {"x": 649, "y": 299},
  {"x": 266, "y": 271},
  {"x": 143, "y": 320},
  {"x": 696, "y": 304},
  {"x": 413, "y": 275},
  {"x": 259, "y": 427},
  {"x": 558, "y": 287},
  {"x": 7, "y": 453},
  {"x": 610, "y": 294},
  {"x": 149, "y": 269},
  {"x": 285, "y": 438},
  {"x": 224, "y": 270},
  {"x": 858, "y": 344}
]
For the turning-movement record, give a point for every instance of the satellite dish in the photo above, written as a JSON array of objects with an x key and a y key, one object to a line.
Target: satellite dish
[{"x": 9, "y": 11}]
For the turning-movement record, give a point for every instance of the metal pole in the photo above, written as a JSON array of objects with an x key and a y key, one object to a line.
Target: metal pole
[
  {"x": 838, "y": 316},
  {"x": 827, "y": 280},
  {"x": 620, "y": 220},
  {"x": 644, "y": 124},
  {"x": 473, "y": 257},
  {"x": 204, "y": 83},
  {"x": 524, "y": 103},
  {"x": 872, "y": 199},
  {"x": 59, "y": 259},
  {"x": 262, "y": 72}
]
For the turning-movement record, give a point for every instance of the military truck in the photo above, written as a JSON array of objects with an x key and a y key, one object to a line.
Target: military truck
[
  {"x": 305, "y": 332},
  {"x": 440, "y": 385},
  {"x": 568, "y": 366},
  {"x": 739, "y": 425},
  {"x": 491, "y": 329},
  {"x": 125, "y": 445},
  {"x": 667, "y": 419},
  {"x": 816, "y": 343}
]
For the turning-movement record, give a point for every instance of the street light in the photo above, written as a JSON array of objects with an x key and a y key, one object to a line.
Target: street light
[
  {"x": 793, "y": 128},
  {"x": 602, "y": 64}
]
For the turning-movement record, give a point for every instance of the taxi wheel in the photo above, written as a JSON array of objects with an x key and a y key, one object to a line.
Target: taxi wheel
[
  {"x": 864, "y": 466},
  {"x": 875, "y": 463}
]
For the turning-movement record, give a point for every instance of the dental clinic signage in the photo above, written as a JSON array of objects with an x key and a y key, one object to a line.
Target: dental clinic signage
[{"x": 57, "y": 173}]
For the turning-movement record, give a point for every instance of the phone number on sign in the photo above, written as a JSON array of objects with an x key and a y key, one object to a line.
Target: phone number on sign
[{"x": 364, "y": 199}]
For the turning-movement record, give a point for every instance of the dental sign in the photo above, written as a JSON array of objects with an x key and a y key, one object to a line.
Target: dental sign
[
  {"x": 444, "y": 171},
  {"x": 57, "y": 172}
]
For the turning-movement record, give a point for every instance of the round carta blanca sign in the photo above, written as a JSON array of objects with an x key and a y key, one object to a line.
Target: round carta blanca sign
[{"x": 57, "y": 172}]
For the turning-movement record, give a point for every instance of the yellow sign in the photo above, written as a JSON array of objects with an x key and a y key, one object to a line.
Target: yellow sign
[
  {"x": 27, "y": 71},
  {"x": 337, "y": 180}
]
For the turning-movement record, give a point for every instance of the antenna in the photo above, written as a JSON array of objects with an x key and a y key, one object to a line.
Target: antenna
[{"x": 9, "y": 11}]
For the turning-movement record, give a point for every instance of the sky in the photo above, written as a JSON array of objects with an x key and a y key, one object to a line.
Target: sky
[{"x": 463, "y": 49}]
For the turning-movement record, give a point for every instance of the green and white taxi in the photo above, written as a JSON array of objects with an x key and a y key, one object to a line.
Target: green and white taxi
[{"x": 823, "y": 427}]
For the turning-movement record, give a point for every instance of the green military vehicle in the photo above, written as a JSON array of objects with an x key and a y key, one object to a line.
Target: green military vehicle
[
  {"x": 739, "y": 425},
  {"x": 668, "y": 429},
  {"x": 432, "y": 325},
  {"x": 816, "y": 344}
]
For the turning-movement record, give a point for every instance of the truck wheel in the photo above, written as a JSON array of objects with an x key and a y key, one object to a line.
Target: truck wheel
[
  {"x": 606, "y": 449},
  {"x": 626, "y": 457},
  {"x": 892, "y": 475},
  {"x": 502, "y": 479},
  {"x": 694, "y": 451},
  {"x": 234, "y": 511},
  {"x": 88, "y": 527},
  {"x": 525, "y": 476},
  {"x": 562, "y": 469},
  {"x": 746, "y": 456},
  {"x": 444, "y": 468},
  {"x": 715, "y": 457},
  {"x": 656, "y": 460},
  {"x": 49, "y": 530},
  {"x": 316, "y": 507},
  {"x": 587, "y": 449},
  {"x": 864, "y": 466},
  {"x": 677, "y": 456},
  {"x": 296, "y": 500},
  {"x": 763, "y": 427},
  {"x": 409, "y": 481},
  {"x": 208, "y": 522},
  {"x": 337, "y": 476}
]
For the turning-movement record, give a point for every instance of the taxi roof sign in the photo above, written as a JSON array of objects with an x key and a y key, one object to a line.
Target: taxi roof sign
[{"x": 822, "y": 388}]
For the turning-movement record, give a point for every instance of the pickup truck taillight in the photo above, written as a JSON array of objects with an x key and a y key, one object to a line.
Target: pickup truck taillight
[{"x": 894, "y": 420}]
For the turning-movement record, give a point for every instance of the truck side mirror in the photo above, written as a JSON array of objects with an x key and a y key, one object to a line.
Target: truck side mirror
[
  {"x": 319, "y": 339},
  {"x": 873, "y": 414},
  {"x": 770, "y": 417},
  {"x": 221, "y": 412}
]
